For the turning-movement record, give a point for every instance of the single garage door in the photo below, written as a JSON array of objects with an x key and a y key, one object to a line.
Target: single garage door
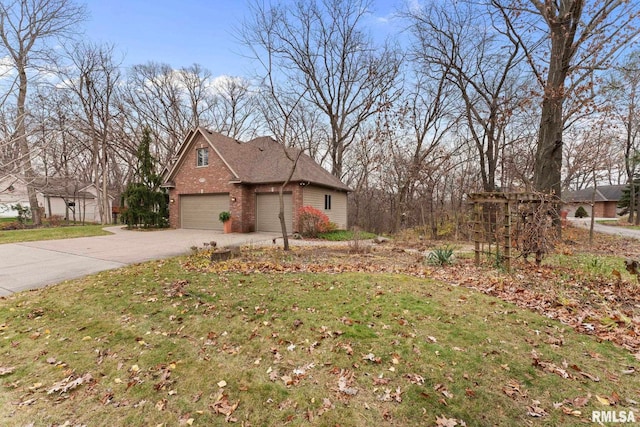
[
  {"x": 201, "y": 210},
  {"x": 267, "y": 209}
]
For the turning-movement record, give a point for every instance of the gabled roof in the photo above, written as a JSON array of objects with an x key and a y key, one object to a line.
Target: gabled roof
[
  {"x": 55, "y": 186},
  {"x": 604, "y": 193},
  {"x": 259, "y": 161},
  {"x": 61, "y": 187}
]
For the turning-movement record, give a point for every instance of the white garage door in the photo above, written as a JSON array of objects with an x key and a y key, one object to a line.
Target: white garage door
[
  {"x": 201, "y": 211},
  {"x": 267, "y": 209}
]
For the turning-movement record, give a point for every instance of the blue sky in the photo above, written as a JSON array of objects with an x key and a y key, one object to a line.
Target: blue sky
[{"x": 183, "y": 32}]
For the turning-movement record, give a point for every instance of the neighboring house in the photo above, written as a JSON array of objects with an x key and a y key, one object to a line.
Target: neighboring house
[
  {"x": 606, "y": 199},
  {"x": 213, "y": 173},
  {"x": 64, "y": 197}
]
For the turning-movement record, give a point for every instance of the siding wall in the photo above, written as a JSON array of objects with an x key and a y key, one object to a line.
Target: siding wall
[{"x": 314, "y": 196}]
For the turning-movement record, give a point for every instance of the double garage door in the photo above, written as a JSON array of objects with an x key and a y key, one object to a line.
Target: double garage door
[
  {"x": 267, "y": 209},
  {"x": 201, "y": 211}
]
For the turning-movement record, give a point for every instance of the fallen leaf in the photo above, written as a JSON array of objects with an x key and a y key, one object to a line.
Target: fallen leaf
[
  {"x": 223, "y": 406},
  {"x": 161, "y": 405},
  {"x": 443, "y": 421},
  {"x": 26, "y": 402},
  {"x": 534, "y": 410},
  {"x": 579, "y": 402},
  {"x": 69, "y": 383},
  {"x": 343, "y": 387},
  {"x": 6, "y": 370},
  {"x": 35, "y": 386}
]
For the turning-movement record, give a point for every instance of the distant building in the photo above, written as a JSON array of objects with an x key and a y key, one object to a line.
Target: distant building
[
  {"x": 605, "y": 199},
  {"x": 63, "y": 197}
]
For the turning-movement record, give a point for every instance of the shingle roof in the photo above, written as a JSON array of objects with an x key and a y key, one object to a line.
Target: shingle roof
[
  {"x": 263, "y": 160},
  {"x": 61, "y": 187},
  {"x": 604, "y": 193}
]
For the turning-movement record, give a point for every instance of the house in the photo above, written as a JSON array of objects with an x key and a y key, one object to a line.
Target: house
[
  {"x": 214, "y": 173},
  {"x": 605, "y": 199},
  {"x": 64, "y": 197}
]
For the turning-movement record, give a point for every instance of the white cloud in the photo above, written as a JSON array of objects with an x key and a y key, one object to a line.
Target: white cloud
[{"x": 6, "y": 67}]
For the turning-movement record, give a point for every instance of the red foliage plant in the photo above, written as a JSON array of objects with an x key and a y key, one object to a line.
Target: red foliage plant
[{"x": 313, "y": 221}]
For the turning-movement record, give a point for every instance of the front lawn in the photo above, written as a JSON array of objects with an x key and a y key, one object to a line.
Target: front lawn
[
  {"x": 313, "y": 336},
  {"x": 51, "y": 233}
]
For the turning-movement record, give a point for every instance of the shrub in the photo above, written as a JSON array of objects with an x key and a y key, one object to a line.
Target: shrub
[
  {"x": 313, "y": 221},
  {"x": 13, "y": 225},
  {"x": 55, "y": 220},
  {"x": 581, "y": 212},
  {"x": 224, "y": 216},
  {"x": 24, "y": 213},
  {"x": 441, "y": 256}
]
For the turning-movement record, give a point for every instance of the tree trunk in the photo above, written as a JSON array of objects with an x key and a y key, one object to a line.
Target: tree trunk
[
  {"x": 548, "y": 160},
  {"x": 23, "y": 144},
  {"x": 283, "y": 223},
  {"x": 106, "y": 217}
]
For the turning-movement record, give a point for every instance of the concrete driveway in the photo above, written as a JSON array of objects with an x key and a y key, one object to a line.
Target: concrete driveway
[
  {"x": 606, "y": 229},
  {"x": 32, "y": 265}
]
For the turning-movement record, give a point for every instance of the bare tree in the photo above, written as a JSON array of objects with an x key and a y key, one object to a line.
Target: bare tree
[
  {"x": 416, "y": 134},
  {"x": 26, "y": 28},
  {"x": 320, "y": 48},
  {"x": 482, "y": 60},
  {"x": 565, "y": 43},
  {"x": 167, "y": 101},
  {"x": 234, "y": 106},
  {"x": 93, "y": 81}
]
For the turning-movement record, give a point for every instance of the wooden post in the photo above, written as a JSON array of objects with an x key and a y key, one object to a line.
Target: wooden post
[
  {"x": 477, "y": 231},
  {"x": 507, "y": 235}
]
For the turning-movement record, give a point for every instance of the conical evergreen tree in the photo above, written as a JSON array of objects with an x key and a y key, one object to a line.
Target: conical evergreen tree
[
  {"x": 144, "y": 199},
  {"x": 625, "y": 198}
]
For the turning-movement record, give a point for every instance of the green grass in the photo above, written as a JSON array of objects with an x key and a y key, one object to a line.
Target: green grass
[
  {"x": 7, "y": 220},
  {"x": 159, "y": 340},
  {"x": 51, "y": 233},
  {"x": 345, "y": 235}
]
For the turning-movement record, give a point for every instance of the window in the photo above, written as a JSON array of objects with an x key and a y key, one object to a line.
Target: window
[
  {"x": 327, "y": 202},
  {"x": 202, "y": 157}
]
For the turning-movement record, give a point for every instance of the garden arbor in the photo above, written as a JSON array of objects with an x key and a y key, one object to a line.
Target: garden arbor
[{"x": 508, "y": 225}]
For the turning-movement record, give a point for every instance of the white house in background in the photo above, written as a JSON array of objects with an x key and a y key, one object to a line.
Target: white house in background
[{"x": 63, "y": 197}]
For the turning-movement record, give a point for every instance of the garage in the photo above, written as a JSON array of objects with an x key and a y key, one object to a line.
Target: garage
[
  {"x": 201, "y": 211},
  {"x": 267, "y": 209}
]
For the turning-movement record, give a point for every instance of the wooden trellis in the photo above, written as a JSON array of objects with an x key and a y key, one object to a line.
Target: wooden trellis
[{"x": 507, "y": 225}]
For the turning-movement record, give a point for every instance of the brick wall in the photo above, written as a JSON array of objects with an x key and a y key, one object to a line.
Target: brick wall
[
  {"x": 605, "y": 209},
  {"x": 191, "y": 179}
]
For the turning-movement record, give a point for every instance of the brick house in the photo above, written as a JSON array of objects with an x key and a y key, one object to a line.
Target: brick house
[
  {"x": 605, "y": 199},
  {"x": 214, "y": 173}
]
